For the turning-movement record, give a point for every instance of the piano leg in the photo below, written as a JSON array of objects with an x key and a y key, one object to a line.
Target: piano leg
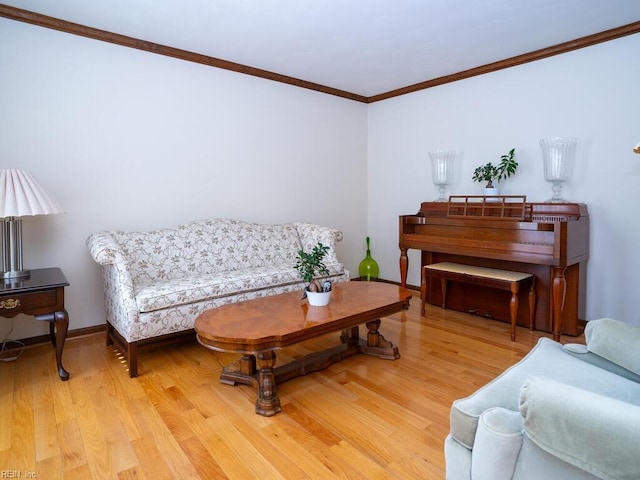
[
  {"x": 404, "y": 267},
  {"x": 558, "y": 292}
]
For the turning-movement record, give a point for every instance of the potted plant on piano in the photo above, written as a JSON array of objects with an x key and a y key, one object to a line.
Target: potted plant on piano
[
  {"x": 491, "y": 173},
  {"x": 311, "y": 267}
]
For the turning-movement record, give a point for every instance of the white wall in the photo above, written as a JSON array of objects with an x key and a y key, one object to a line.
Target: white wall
[
  {"x": 592, "y": 94},
  {"x": 130, "y": 140}
]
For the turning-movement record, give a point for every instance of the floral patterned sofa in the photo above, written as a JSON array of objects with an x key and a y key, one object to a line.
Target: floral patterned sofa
[{"x": 156, "y": 283}]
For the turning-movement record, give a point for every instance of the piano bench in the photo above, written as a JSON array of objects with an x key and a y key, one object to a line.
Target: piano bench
[{"x": 487, "y": 277}]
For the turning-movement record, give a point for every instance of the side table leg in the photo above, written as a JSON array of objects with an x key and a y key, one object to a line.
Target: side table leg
[
  {"x": 60, "y": 321},
  {"x": 268, "y": 403}
]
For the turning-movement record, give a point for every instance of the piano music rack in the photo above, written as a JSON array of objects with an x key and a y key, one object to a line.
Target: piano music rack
[{"x": 508, "y": 207}]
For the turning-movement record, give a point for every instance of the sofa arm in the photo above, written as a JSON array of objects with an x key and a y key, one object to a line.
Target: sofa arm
[
  {"x": 311, "y": 234},
  {"x": 595, "y": 433},
  {"x": 103, "y": 248},
  {"x": 120, "y": 303}
]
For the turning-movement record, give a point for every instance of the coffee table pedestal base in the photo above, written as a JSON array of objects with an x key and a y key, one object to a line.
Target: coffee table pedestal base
[{"x": 260, "y": 371}]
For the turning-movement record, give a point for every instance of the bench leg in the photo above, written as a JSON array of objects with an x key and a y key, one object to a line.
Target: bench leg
[
  {"x": 423, "y": 290},
  {"x": 513, "y": 307},
  {"x": 443, "y": 283},
  {"x": 532, "y": 303}
]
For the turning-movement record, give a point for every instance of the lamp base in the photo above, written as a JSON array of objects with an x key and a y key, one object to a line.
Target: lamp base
[
  {"x": 557, "y": 192},
  {"x": 11, "y": 261},
  {"x": 16, "y": 274}
]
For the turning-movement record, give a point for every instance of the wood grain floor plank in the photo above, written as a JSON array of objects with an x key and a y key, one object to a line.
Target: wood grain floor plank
[
  {"x": 45, "y": 421},
  {"x": 22, "y": 452},
  {"x": 204, "y": 463},
  {"x": 51, "y": 465},
  {"x": 173, "y": 458},
  {"x": 357, "y": 464},
  {"x": 94, "y": 441},
  {"x": 104, "y": 398},
  {"x": 151, "y": 462},
  {"x": 71, "y": 445},
  {"x": 213, "y": 433},
  {"x": 6, "y": 404}
]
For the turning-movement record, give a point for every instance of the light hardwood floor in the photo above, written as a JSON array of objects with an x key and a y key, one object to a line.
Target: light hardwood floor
[{"x": 362, "y": 418}]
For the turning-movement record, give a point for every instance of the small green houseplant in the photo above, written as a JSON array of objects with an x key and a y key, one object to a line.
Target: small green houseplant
[
  {"x": 311, "y": 265},
  {"x": 491, "y": 173}
]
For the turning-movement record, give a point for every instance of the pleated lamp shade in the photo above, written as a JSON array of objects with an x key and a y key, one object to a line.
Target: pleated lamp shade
[{"x": 20, "y": 196}]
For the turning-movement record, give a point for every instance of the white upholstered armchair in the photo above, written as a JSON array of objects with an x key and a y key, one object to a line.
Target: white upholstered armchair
[{"x": 563, "y": 412}]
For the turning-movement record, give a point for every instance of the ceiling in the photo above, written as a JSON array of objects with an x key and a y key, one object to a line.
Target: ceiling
[{"x": 365, "y": 47}]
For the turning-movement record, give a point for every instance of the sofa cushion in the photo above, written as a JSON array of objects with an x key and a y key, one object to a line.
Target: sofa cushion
[
  {"x": 195, "y": 288},
  {"x": 238, "y": 245},
  {"x": 207, "y": 247},
  {"x": 546, "y": 359}
]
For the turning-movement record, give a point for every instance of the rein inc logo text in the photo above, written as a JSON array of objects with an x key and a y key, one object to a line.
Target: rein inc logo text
[{"x": 17, "y": 474}]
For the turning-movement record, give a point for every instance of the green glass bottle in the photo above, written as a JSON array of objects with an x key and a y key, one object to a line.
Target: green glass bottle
[{"x": 368, "y": 267}]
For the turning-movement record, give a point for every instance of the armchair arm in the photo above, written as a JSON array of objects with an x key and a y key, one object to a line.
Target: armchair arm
[
  {"x": 497, "y": 444},
  {"x": 595, "y": 433},
  {"x": 616, "y": 341}
]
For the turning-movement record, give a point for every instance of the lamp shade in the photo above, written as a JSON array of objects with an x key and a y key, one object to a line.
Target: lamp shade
[{"x": 21, "y": 195}]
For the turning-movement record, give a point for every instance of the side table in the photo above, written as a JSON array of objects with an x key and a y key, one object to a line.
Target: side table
[{"x": 41, "y": 295}]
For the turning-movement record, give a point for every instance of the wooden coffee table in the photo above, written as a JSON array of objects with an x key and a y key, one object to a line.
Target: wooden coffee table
[{"x": 256, "y": 328}]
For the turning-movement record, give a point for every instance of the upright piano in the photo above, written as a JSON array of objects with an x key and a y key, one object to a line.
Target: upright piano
[{"x": 548, "y": 240}]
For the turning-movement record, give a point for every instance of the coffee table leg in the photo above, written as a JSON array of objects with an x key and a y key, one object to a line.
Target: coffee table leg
[
  {"x": 243, "y": 371},
  {"x": 350, "y": 336},
  {"x": 376, "y": 344},
  {"x": 268, "y": 403}
]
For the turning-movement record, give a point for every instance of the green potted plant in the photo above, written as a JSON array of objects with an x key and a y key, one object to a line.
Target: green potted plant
[
  {"x": 491, "y": 173},
  {"x": 311, "y": 266}
]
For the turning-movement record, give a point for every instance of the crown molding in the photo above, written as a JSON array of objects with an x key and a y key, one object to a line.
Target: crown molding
[
  {"x": 558, "y": 49},
  {"x": 53, "y": 23}
]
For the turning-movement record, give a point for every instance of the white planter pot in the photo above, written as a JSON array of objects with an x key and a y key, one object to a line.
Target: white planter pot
[
  {"x": 491, "y": 191},
  {"x": 318, "y": 299}
]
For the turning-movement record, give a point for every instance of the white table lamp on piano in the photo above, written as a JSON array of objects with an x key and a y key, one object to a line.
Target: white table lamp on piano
[
  {"x": 441, "y": 170},
  {"x": 558, "y": 154},
  {"x": 20, "y": 195}
]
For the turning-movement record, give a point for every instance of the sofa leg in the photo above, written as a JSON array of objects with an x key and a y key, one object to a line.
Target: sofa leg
[
  {"x": 109, "y": 330},
  {"x": 132, "y": 359},
  {"x": 128, "y": 349}
]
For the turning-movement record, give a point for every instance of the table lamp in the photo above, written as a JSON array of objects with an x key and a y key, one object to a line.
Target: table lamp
[
  {"x": 20, "y": 196},
  {"x": 442, "y": 170},
  {"x": 558, "y": 154}
]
